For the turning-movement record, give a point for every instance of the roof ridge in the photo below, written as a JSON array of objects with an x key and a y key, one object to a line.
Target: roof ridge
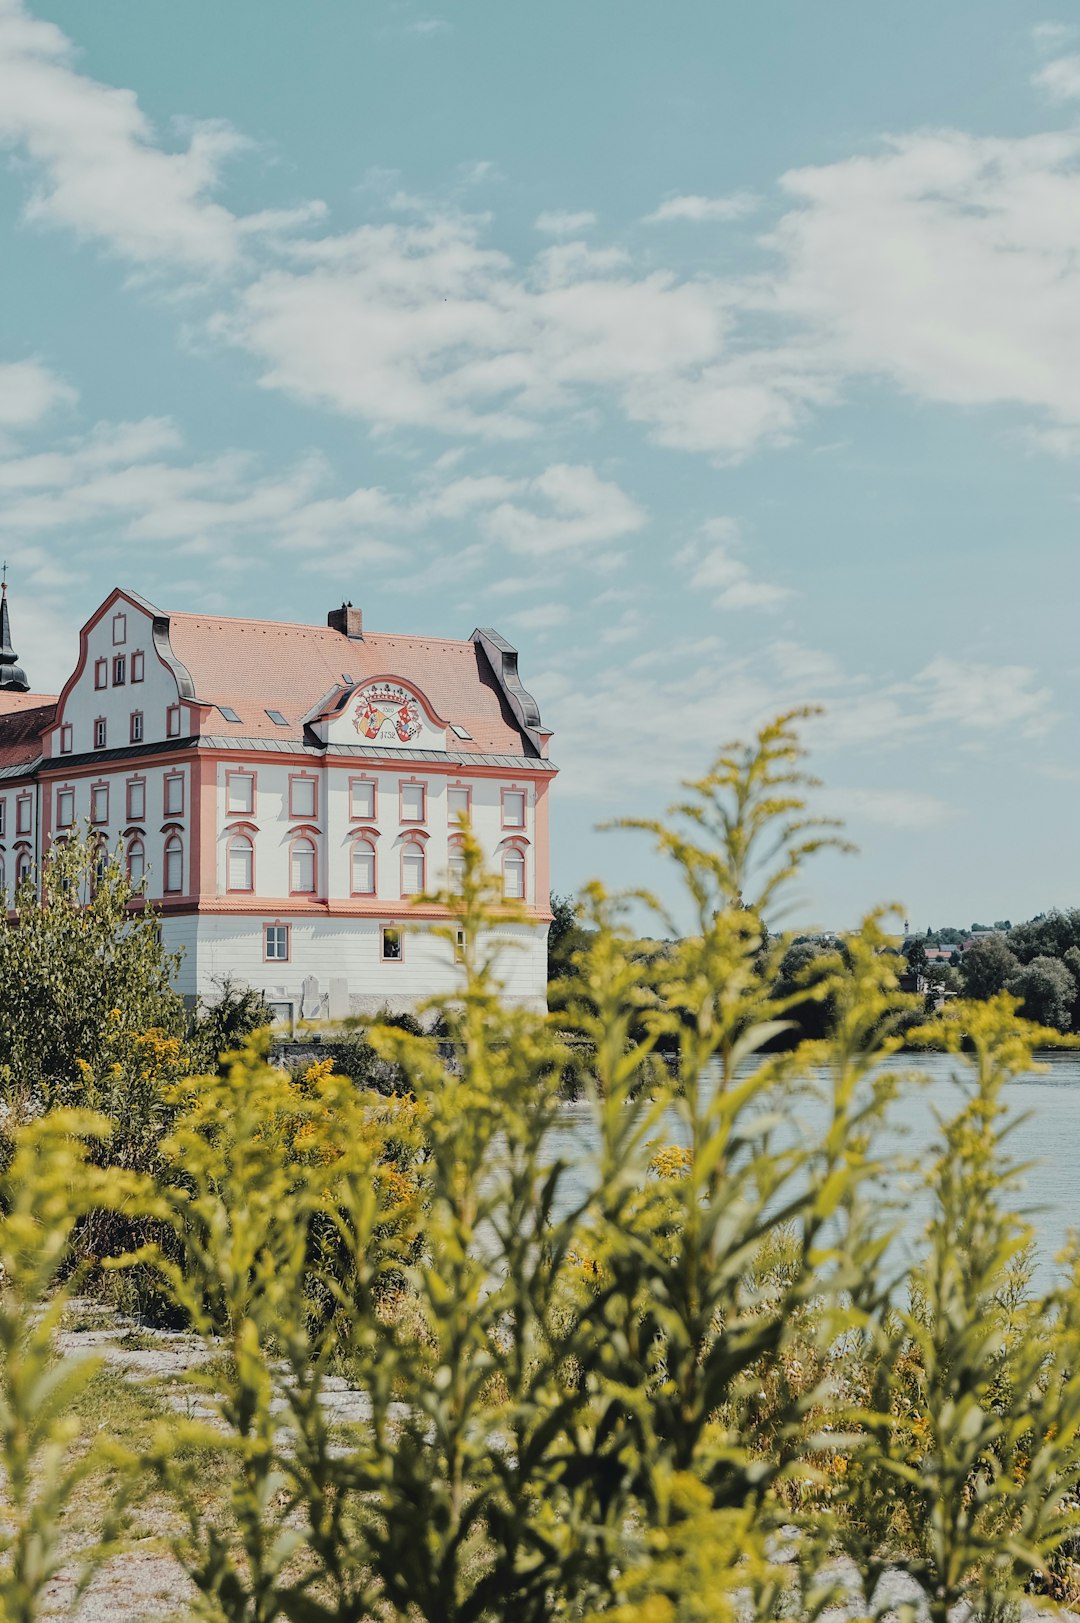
[{"x": 306, "y": 625}]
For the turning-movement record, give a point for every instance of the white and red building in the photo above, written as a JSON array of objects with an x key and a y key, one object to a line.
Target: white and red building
[{"x": 287, "y": 791}]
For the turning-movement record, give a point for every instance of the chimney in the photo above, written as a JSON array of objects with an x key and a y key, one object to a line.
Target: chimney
[{"x": 347, "y": 620}]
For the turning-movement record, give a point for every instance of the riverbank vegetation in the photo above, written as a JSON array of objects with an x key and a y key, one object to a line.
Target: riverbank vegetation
[{"x": 687, "y": 1381}]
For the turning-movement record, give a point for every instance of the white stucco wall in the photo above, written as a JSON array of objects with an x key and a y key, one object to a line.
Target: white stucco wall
[{"x": 342, "y": 963}]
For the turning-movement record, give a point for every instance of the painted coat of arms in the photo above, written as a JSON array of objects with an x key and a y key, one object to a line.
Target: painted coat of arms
[{"x": 387, "y": 714}]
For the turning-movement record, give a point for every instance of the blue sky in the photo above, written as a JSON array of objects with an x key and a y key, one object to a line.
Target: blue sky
[{"x": 724, "y": 358}]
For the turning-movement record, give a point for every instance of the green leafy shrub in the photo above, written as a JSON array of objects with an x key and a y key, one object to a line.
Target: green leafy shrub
[{"x": 670, "y": 1384}]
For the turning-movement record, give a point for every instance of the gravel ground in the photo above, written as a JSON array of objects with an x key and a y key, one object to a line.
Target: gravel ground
[{"x": 146, "y": 1582}]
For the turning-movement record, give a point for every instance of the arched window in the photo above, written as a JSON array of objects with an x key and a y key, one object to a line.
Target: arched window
[
  {"x": 302, "y": 867},
  {"x": 136, "y": 861},
  {"x": 513, "y": 872},
  {"x": 101, "y": 863},
  {"x": 22, "y": 867},
  {"x": 455, "y": 867},
  {"x": 363, "y": 868},
  {"x": 174, "y": 865},
  {"x": 412, "y": 868},
  {"x": 3, "y": 879},
  {"x": 240, "y": 863}
]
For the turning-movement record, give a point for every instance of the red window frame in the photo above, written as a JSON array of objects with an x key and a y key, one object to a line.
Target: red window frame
[
  {"x": 405, "y": 846},
  {"x": 240, "y": 811},
  {"x": 138, "y": 666},
  {"x": 96, "y": 790},
  {"x": 101, "y": 673},
  {"x": 66, "y": 793},
  {"x": 311, "y": 812},
  {"x": 412, "y": 783},
  {"x": 65, "y": 738},
  {"x": 363, "y": 816},
  {"x": 513, "y": 847},
  {"x": 459, "y": 789},
  {"x": 454, "y": 854},
  {"x": 277, "y": 924},
  {"x": 172, "y": 721},
  {"x": 167, "y": 810},
  {"x": 136, "y": 731},
  {"x": 363, "y": 839},
  {"x": 174, "y": 842},
  {"x": 236, "y": 834},
  {"x": 136, "y": 840},
  {"x": 101, "y": 733},
  {"x": 119, "y": 628},
  {"x": 524, "y": 797},
  {"x": 24, "y": 804},
  {"x": 133, "y": 816},
  {"x": 304, "y": 839}
]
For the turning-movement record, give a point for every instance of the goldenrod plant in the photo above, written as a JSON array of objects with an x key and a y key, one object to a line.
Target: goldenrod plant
[
  {"x": 571, "y": 1346},
  {"x": 967, "y": 1475},
  {"x": 48, "y": 1184},
  {"x": 669, "y": 1380},
  {"x": 264, "y": 1173}
]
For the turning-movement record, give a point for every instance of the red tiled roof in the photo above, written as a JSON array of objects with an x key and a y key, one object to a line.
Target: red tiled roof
[
  {"x": 23, "y": 719},
  {"x": 259, "y": 665}
]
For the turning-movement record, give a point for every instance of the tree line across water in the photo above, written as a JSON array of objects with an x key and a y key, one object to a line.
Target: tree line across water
[
  {"x": 675, "y": 1385},
  {"x": 1037, "y": 962}
]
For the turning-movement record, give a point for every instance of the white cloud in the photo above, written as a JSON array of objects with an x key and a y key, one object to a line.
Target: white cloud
[
  {"x": 947, "y": 262},
  {"x": 578, "y": 509},
  {"x": 903, "y": 809},
  {"x": 713, "y": 565},
  {"x": 812, "y": 669},
  {"x": 1051, "y": 36},
  {"x": 563, "y": 222},
  {"x": 421, "y": 325},
  {"x": 1060, "y": 79},
  {"x": 699, "y": 209},
  {"x": 101, "y": 169},
  {"x": 541, "y": 616},
  {"x": 28, "y": 391},
  {"x": 665, "y": 717},
  {"x": 984, "y": 697}
]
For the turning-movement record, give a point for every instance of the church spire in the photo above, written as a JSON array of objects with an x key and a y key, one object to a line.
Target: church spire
[{"x": 12, "y": 675}]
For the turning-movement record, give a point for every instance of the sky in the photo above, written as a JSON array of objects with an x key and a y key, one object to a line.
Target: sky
[{"x": 723, "y": 358}]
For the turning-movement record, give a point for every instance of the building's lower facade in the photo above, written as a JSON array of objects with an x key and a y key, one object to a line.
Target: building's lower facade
[{"x": 286, "y": 793}]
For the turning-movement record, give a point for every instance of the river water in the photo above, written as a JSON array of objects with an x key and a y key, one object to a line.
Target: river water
[{"x": 1045, "y": 1106}]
